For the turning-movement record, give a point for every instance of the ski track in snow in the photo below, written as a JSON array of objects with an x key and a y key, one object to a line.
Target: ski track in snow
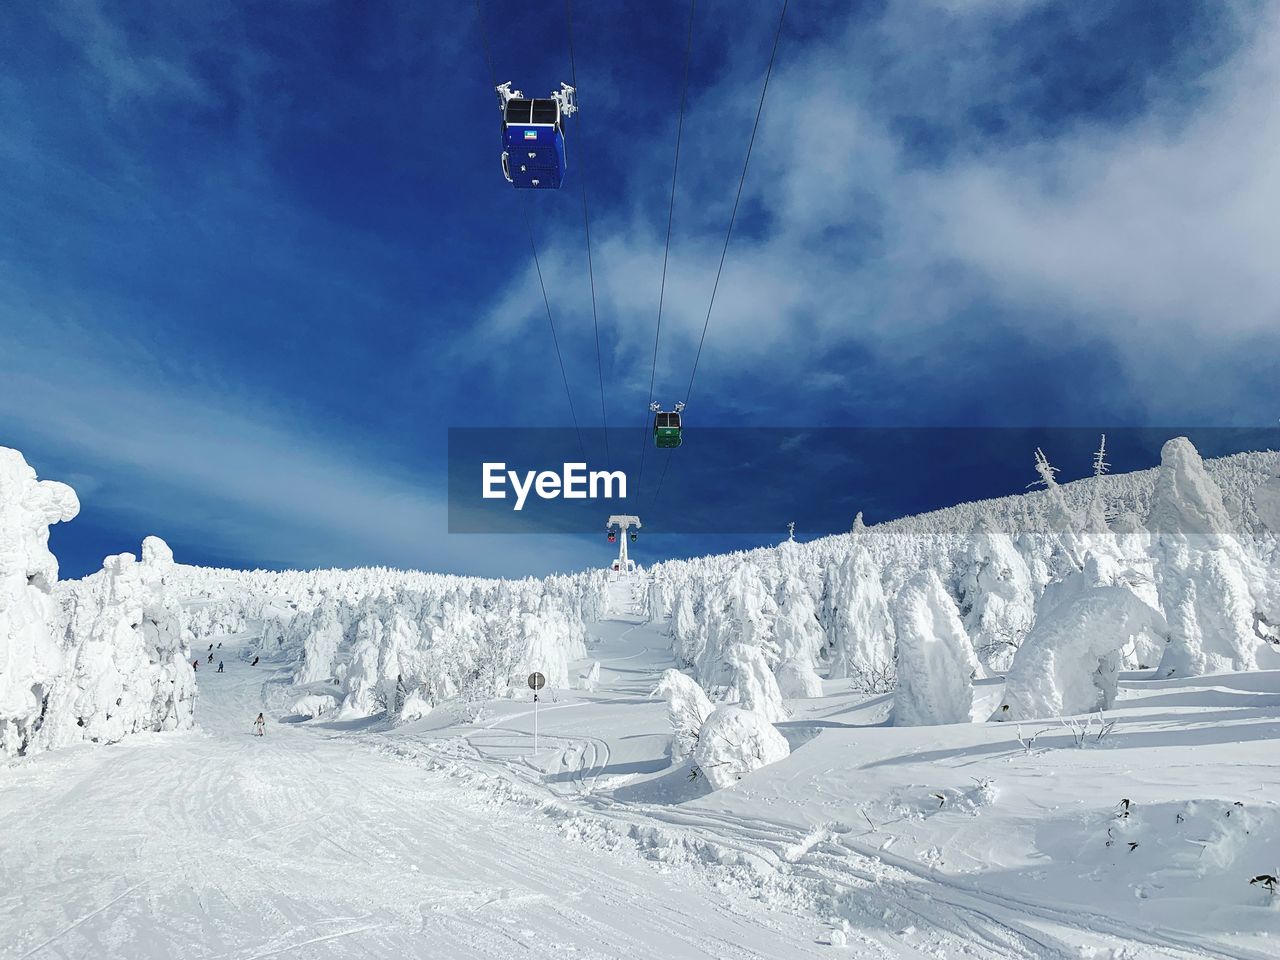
[
  {"x": 897, "y": 909},
  {"x": 221, "y": 844}
]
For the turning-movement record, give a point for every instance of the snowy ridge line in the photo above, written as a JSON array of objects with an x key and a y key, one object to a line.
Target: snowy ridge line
[{"x": 915, "y": 606}]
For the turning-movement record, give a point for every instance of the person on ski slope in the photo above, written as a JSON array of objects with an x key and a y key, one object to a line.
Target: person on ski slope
[
  {"x": 259, "y": 726},
  {"x": 255, "y": 662},
  {"x": 220, "y": 666}
]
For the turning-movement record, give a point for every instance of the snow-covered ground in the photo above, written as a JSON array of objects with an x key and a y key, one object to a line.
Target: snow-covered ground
[
  {"x": 459, "y": 839},
  {"x": 319, "y": 841}
]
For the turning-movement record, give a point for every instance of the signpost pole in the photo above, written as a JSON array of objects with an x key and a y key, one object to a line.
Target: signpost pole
[{"x": 536, "y": 682}]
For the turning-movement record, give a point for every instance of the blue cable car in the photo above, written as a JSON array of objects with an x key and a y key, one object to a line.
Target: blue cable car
[{"x": 533, "y": 154}]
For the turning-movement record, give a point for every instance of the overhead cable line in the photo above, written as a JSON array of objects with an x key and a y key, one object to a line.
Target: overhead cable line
[
  {"x": 533, "y": 246},
  {"x": 734, "y": 213},
  {"x": 586, "y": 223},
  {"x": 671, "y": 208}
]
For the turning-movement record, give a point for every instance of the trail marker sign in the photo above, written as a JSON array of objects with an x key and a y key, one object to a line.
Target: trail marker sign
[{"x": 536, "y": 682}]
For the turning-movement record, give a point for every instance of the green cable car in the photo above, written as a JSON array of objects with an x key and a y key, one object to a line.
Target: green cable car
[{"x": 667, "y": 428}]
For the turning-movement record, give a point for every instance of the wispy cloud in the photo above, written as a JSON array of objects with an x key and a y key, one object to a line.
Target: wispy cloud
[
  {"x": 248, "y": 482},
  {"x": 1152, "y": 234}
]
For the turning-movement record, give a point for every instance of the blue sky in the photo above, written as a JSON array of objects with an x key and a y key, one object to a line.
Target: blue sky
[{"x": 256, "y": 258}]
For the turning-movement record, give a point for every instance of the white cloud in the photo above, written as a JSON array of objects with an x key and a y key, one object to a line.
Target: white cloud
[
  {"x": 1157, "y": 236},
  {"x": 1141, "y": 229}
]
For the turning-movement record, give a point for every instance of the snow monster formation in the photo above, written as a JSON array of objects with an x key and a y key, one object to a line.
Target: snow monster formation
[
  {"x": 1070, "y": 662},
  {"x": 1204, "y": 574},
  {"x": 127, "y": 655},
  {"x": 30, "y": 656},
  {"x": 108, "y": 661},
  {"x": 936, "y": 662}
]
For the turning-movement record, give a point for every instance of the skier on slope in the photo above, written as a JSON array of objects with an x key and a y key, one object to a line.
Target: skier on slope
[
  {"x": 220, "y": 666},
  {"x": 211, "y": 658},
  {"x": 260, "y": 726},
  {"x": 255, "y": 662},
  {"x": 195, "y": 664}
]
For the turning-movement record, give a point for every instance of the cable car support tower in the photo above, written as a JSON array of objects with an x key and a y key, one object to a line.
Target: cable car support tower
[{"x": 623, "y": 523}]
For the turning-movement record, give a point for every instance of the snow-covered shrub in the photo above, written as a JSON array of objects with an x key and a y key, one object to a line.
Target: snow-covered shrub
[
  {"x": 30, "y": 655},
  {"x": 733, "y": 742},
  {"x": 687, "y": 709},
  {"x": 936, "y": 662},
  {"x": 314, "y": 705}
]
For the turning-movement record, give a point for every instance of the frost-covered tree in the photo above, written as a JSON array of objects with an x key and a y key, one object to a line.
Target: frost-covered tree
[
  {"x": 687, "y": 709},
  {"x": 30, "y": 655},
  {"x": 1202, "y": 570},
  {"x": 754, "y": 611},
  {"x": 936, "y": 662},
  {"x": 1070, "y": 662},
  {"x": 799, "y": 638},
  {"x": 997, "y": 597},
  {"x": 1064, "y": 523},
  {"x": 687, "y": 637},
  {"x": 324, "y": 636},
  {"x": 862, "y": 627},
  {"x": 128, "y": 665},
  {"x": 753, "y": 685}
]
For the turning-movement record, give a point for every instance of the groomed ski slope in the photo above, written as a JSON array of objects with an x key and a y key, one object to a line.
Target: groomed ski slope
[
  {"x": 454, "y": 839},
  {"x": 309, "y": 843}
]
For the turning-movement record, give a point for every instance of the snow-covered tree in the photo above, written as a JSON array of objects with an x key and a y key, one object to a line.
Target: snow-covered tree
[
  {"x": 997, "y": 596},
  {"x": 936, "y": 662},
  {"x": 128, "y": 665},
  {"x": 862, "y": 627},
  {"x": 799, "y": 638},
  {"x": 687, "y": 709},
  {"x": 753, "y": 685},
  {"x": 30, "y": 656},
  {"x": 1202, "y": 570},
  {"x": 1070, "y": 662}
]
